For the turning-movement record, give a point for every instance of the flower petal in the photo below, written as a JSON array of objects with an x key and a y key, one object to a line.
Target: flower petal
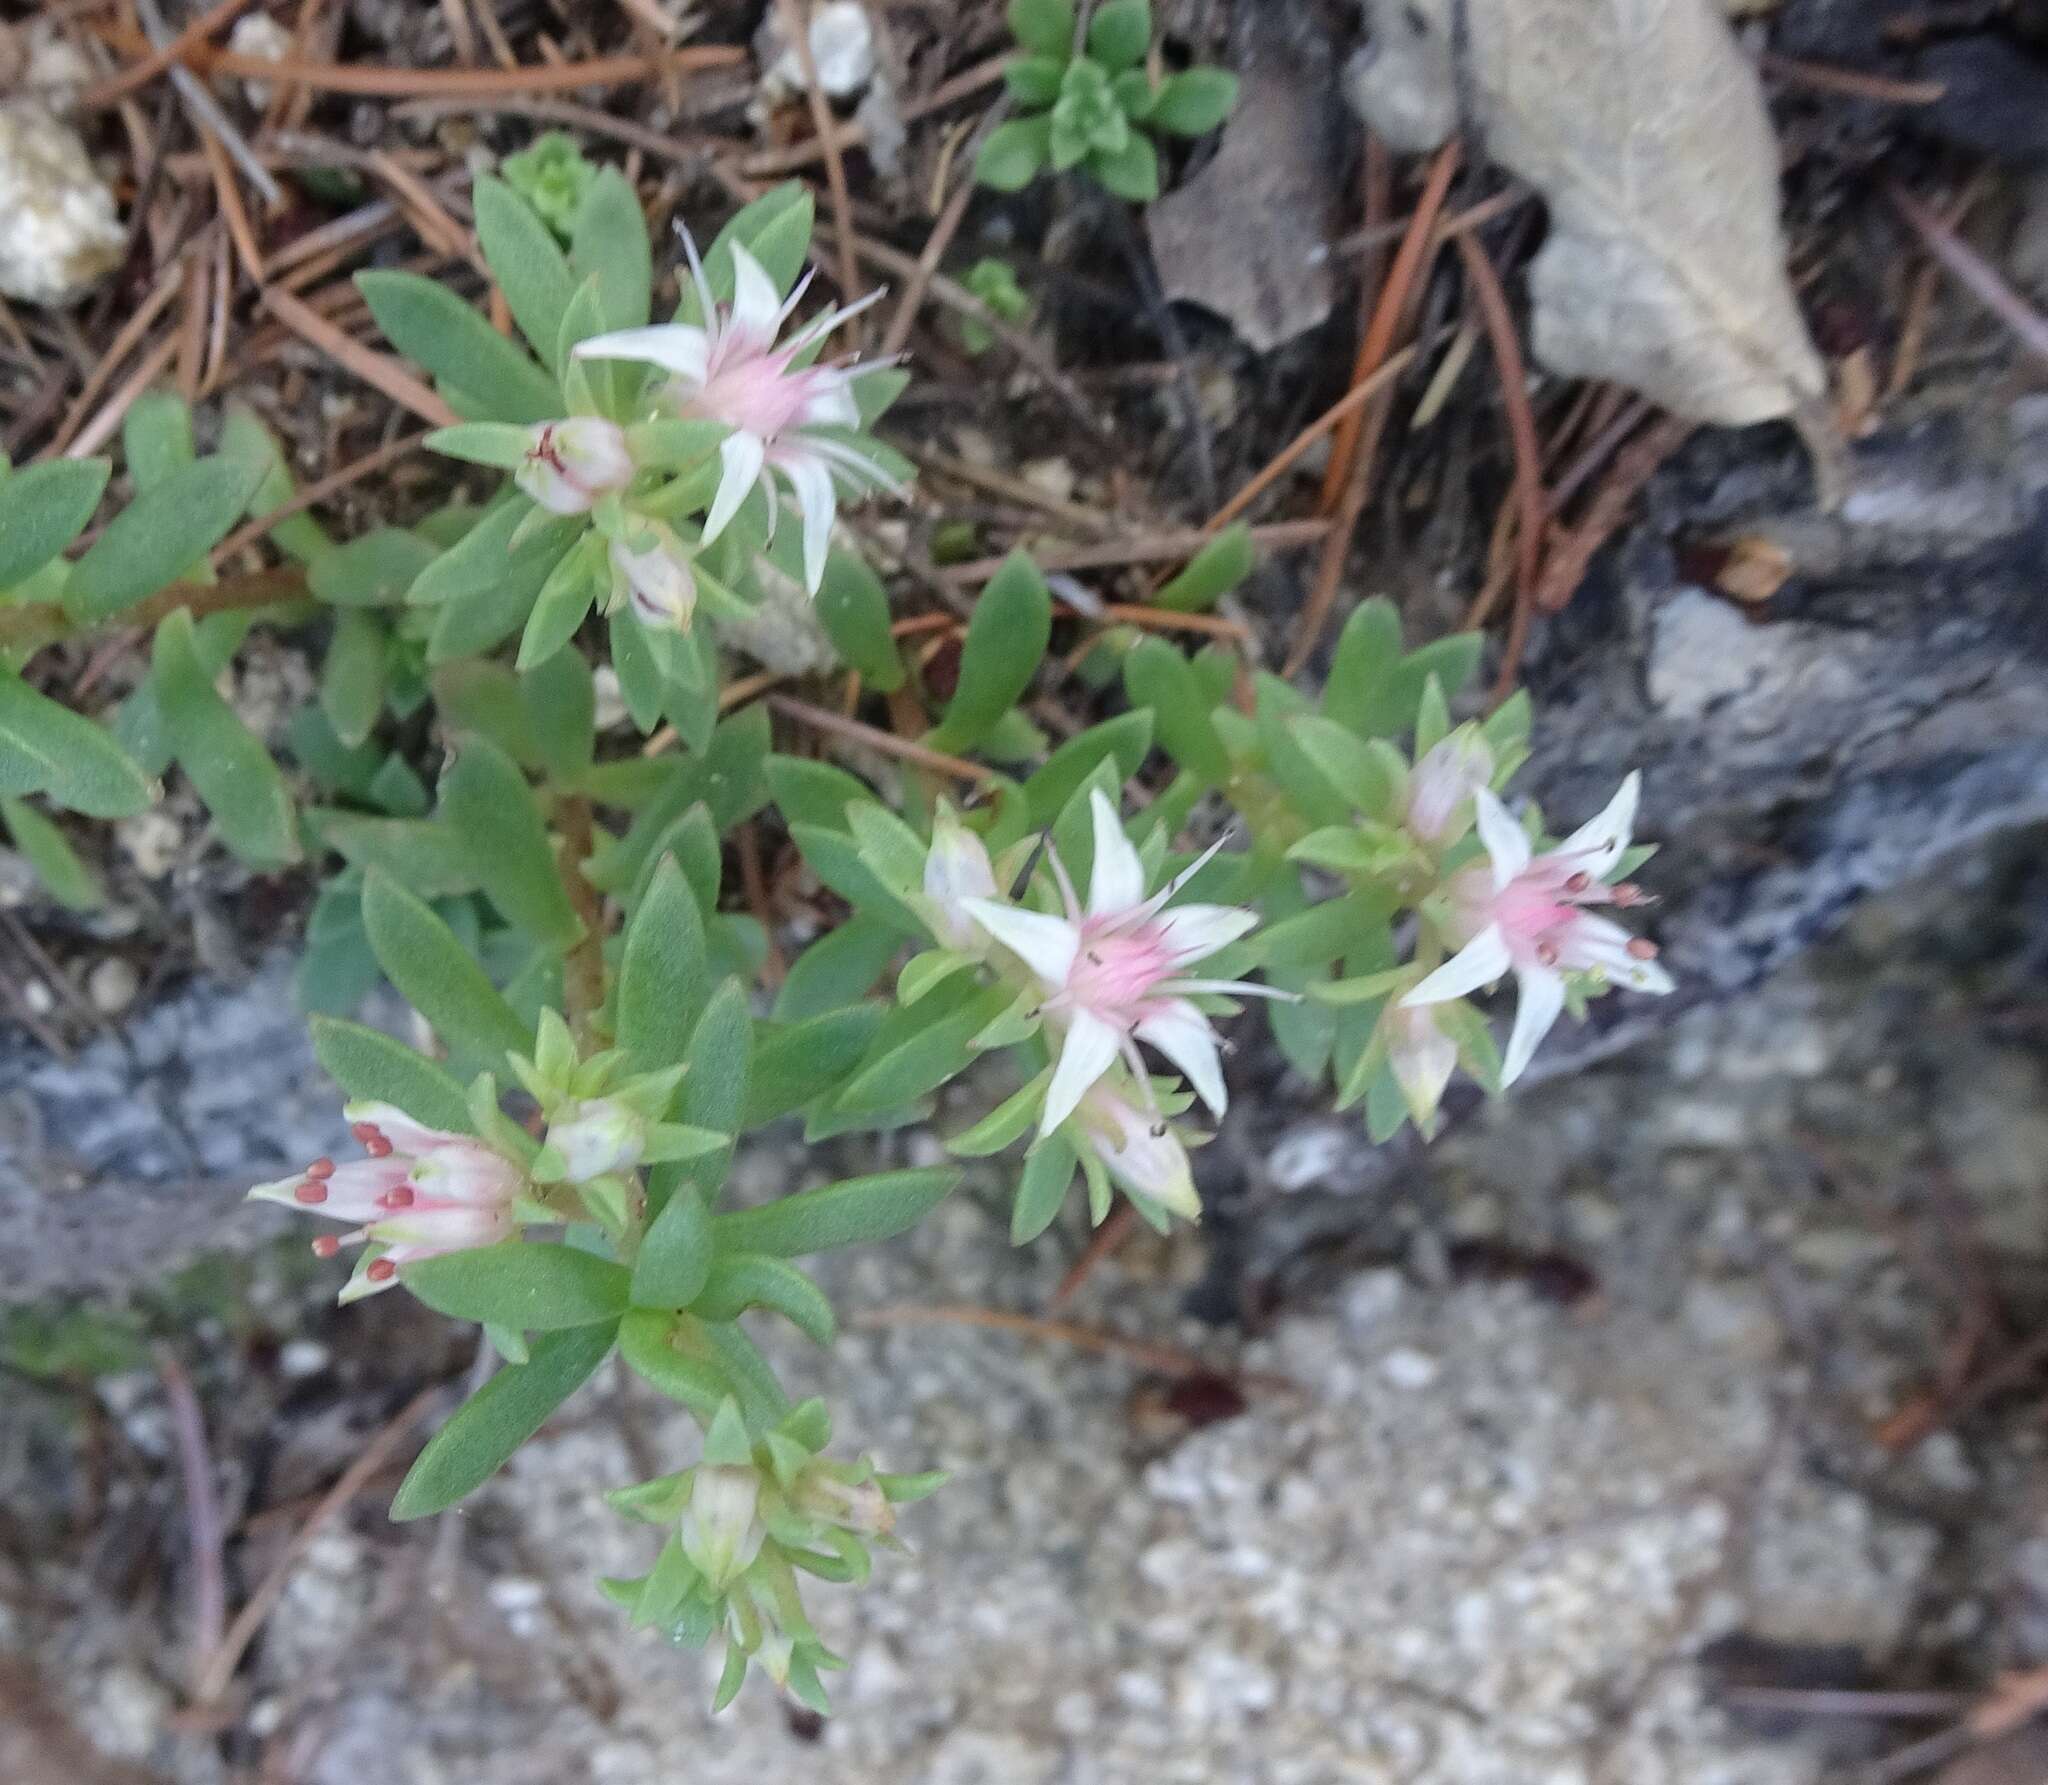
[
  {"x": 1480, "y": 962},
  {"x": 756, "y": 304},
  {"x": 673, "y": 346},
  {"x": 1182, "y": 1033},
  {"x": 1047, "y": 945},
  {"x": 1116, "y": 883},
  {"x": 1507, "y": 844},
  {"x": 1085, "y": 1055},
  {"x": 742, "y": 456},
  {"x": 1194, "y": 932},
  {"x": 1539, "y": 999},
  {"x": 1590, "y": 944},
  {"x": 818, "y": 504},
  {"x": 1598, "y": 844},
  {"x": 349, "y": 1193}
]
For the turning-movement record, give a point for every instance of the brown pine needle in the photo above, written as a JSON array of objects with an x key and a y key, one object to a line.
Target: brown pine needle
[
  {"x": 371, "y": 81},
  {"x": 876, "y": 739},
  {"x": 378, "y": 370},
  {"x": 1527, "y": 494}
]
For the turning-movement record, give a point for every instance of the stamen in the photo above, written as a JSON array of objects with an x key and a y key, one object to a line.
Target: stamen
[
  {"x": 379, "y": 1148},
  {"x": 365, "y": 1132},
  {"x": 312, "y": 1193},
  {"x": 1578, "y": 882},
  {"x": 321, "y": 1168},
  {"x": 1546, "y": 952},
  {"x": 1642, "y": 948},
  {"x": 381, "y": 1270},
  {"x": 399, "y": 1198},
  {"x": 327, "y": 1246},
  {"x": 1159, "y": 1130}
]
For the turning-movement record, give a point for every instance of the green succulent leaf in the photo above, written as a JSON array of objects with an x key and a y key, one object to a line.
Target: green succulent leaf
[
  {"x": 853, "y": 1212},
  {"x": 853, "y": 607},
  {"x": 495, "y": 1421},
  {"x": 1130, "y": 172},
  {"x": 372, "y": 1067},
  {"x": 48, "y": 749},
  {"x": 527, "y": 263},
  {"x": 431, "y": 324},
  {"x": 524, "y": 1285},
  {"x": 1015, "y": 153},
  {"x": 1048, "y": 1172},
  {"x": 229, "y": 766},
  {"x": 664, "y": 975},
  {"x": 1120, "y": 33},
  {"x": 164, "y": 533},
  {"x": 1006, "y": 642},
  {"x": 1195, "y": 101},
  {"x": 493, "y": 810},
  {"x": 43, "y": 509},
  {"x": 743, "y": 1280},
  {"x": 1211, "y": 573},
  {"x": 1044, "y": 27},
  {"x": 437, "y": 975},
  {"x": 46, "y": 849}
]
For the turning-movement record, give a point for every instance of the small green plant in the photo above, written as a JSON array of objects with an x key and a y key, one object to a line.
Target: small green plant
[
  {"x": 554, "y": 1164},
  {"x": 1095, "y": 105},
  {"x": 995, "y": 283},
  {"x": 553, "y": 175}
]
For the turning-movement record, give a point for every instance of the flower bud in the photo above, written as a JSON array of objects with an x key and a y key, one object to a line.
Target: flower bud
[
  {"x": 1140, "y": 1150},
  {"x": 596, "y": 1136},
  {"x": 857, "y": 1506},
  {"x": 572, "y": 462},
  {"x": 651, "y": 573},
  {"x": 1441, "y": 789},
  {"x": 1422, "y": 1058},
  {"x": 721, "y": 1528},
  {"x": 957, "y": 868}
]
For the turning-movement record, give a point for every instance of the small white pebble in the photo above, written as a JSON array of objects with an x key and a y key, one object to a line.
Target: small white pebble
[{"x": 1405, "y": 1367}]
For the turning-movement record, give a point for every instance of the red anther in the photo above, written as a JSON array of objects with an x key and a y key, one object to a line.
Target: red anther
[
  {"x": 312, "y": 1193},
  {"x": 327, "y": 1246},
  {"x": 1642, "y": 948},
  {"x": 1578, "y": 882},
  {"x": 365, "y": 1132},
  {"x": 320, "y": 1170},
  {"x": 1546, "y": 952},
  {"x": 377, "y": 1147},
  {"x": 399, "y": 1198},
  {"x": 381, "y": 1270},
  {"x": 1626, "y": 892}
]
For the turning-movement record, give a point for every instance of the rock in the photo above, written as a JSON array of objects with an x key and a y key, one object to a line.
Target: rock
[
  {"x": 1248, "y": 236},
  {"x": 112, "y": 985},
  {"x": 258, "y": 34},
  {"x": 59, "y": 231},
  {"x": 842, "y": 51}
]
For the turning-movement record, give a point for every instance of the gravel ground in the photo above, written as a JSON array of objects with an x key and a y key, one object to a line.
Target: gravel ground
[{"x": 1596, "y": 1398}]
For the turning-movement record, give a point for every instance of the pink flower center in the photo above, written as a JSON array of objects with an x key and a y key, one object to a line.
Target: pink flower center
[
  {"x": 1114, "y": 972},
  {"x": 756, "y": 392}
]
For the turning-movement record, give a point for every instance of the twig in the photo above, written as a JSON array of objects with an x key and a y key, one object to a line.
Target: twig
[
  {"x": 1353, "y": 452},
  {"x": 227, "y": 1654},
  {"x": 1565, "y": 568},
  {"x": 920, "y": 278},
  {"x": 1349, "y": 404},
  {"x": 123, "y": 344},
  {"x": 206, "y": 113},
  {"x": 1155, "y": 548},
  {"x": 1825, "y": 77},
  {"x": 958, "y": 298},
  {"x": 378, "y": 370},
  {"x": 1527, "y": 494},
  {"x": 332, "y": 484},
  {"x": 1972, "y": 271},
  {"x": 140, "y": 74},
  {"x": 876, "y": 739},
  {"x": 1167, "y": 1360},
  {"x": 369, "y": 80},
  {"x": 796, "y": 23},
  {"x": 202, "y": 1510},
  {"x": 1101, "y": 1243},
  {"x": 854, "y": 136},
  {"x": 97, "y": 432}
]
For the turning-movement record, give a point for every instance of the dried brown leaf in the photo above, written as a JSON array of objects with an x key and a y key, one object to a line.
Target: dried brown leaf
[{"x": 1644, "y": 128}]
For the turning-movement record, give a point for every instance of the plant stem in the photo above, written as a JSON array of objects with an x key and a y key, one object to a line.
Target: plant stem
[
  {"x": 35, "y": 624},
  {"x": 583, "y": 971}
]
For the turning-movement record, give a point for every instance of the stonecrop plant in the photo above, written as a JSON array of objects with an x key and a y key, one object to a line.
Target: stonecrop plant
[
  {"x": 1094, "y": 101},
  {"x": 1072, "y": 925}
]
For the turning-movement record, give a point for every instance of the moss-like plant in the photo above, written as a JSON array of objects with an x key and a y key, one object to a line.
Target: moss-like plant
[{"x": 1095, "y": 104}]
